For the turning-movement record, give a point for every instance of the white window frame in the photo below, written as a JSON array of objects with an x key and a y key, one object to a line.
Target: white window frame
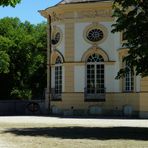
[
  {"x": 95, "y": 64},
  {"x": 129, "y": 81},
  {"x": 96, "y": 93},
  {"x": 58, "y": 78}
]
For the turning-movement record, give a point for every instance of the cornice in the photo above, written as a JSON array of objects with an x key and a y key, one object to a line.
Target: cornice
[{"x": 78, "y": 11}]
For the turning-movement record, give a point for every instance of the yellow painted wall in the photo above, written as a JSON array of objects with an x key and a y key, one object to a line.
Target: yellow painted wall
[
  {"x": 143, "y": 105},
  {"x": 69, "y": 42},
  {"x": 144, "y": 84},
  {"x": 114, "y": 101},
  {"x": 143, "y": 102},
  {"x": 117, "y": 100},
  {"x": 69, "y": 15},
  {"x": 69, "y": 78},
  {"x": 144, "y": 98}
]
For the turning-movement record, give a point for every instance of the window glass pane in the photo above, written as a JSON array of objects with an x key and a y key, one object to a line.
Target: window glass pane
[
  {"x": 95, "y": 74},
  {"x": 128, "y": 80},
  {"x": 58, "y": 76},
  {"x": 58, "y": 60},
  {"x": 95, "y": 58},
  {"x": 95, "y": 35}
]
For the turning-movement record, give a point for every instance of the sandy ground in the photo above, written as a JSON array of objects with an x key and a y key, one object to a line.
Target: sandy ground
[
  {"x": 92, "y": 122},
  {"x": 21, "y": 125}
]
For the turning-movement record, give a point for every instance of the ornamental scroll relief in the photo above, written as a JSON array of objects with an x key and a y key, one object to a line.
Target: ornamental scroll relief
[
  {"x": 81, "y": 15},
  {"x": 95, "y": 13},
  {"x": 56, "y": 17}
]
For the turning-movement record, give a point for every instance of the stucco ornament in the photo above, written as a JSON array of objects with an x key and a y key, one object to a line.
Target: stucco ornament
[
  {"x": 95, "y": 33},
  {"x": 56, "y": 36}
]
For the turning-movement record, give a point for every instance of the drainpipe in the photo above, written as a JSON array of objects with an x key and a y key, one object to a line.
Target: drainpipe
[{"x": 48, "y": 91}]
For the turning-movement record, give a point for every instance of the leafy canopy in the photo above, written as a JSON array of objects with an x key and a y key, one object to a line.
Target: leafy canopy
[
  {"x": 22, "y": 57},
  {"x": 132, "y": 18},
  {"x": 9, "y": 2},
  {"x": 4, "y": 62}
]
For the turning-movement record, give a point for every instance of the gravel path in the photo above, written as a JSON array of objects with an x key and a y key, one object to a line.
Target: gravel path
[
  {"x": 34, "y": 121},
  {"x": 4, "y": 144},
  {"x": 75, "y": 121}
]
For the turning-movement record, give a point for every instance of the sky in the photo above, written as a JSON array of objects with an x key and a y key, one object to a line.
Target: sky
[{"x": 28, "y": 10}]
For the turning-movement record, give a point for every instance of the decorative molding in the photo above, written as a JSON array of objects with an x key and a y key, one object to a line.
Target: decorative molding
[
  {"x": 95, "y": 13},
  {"x": 56, "y": 17},
  {"x": 54, "y": 31},
  {"x": 95, "y": 49},
  {"x": 54, "y": 55},
  {"x": 81, "y": 15},
  {"x": 92, "y": 26},
  {"x": 69, "y": 41}
]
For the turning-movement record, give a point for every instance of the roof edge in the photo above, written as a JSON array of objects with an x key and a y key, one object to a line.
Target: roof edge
[{"x": 64, "y": 2}]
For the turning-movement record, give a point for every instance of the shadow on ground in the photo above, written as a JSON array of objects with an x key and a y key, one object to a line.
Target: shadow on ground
[{"x": 96, "y": 133}]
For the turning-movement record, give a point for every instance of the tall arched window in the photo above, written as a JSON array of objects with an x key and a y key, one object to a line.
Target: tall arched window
[
  {"x": 129, "y": 79},
  {"x": 94, "y": 76},
  {"x": 58, "y": 78}
]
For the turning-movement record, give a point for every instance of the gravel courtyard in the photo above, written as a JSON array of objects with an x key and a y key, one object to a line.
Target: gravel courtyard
[{"x": 54, "y": 132}]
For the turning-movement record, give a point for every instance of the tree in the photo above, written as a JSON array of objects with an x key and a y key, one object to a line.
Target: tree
[
  {"x": 132, "y": 19},
  {"x": 9, "y": 2},
  {"x": 23, "y": 46},
  {"x": 4, "y": 62}
]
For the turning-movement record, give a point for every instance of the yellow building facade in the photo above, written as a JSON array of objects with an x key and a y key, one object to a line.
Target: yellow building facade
[{"x": 83, "y": 58}]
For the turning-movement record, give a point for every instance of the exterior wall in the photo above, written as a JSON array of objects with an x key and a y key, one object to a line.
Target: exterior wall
[
  {"x": 110, "y": 82},
  {"x": 114, "y": 104},
  {"x": 143, "y": 105},
  {"x": 52, "y": 77},
  {"x": 144, "y": 84},
  {"x": 73, "y": 21},
  {"x": 69, "y": 42},
  {"x": 137, "y": 83},
  {"x": 69, "y": 78},
  {"x": 63, "y": 78},
  {"x": 79, "y": 78},
  {"x": 144, "y": 98},
  {"x": 61, "y": 46},
  {"x": 82, "y": 46},
  {"x": 108, "y": 46}
]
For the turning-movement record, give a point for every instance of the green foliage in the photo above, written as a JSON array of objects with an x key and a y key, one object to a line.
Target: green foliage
[
  {"x": 24, "y": 93},
  {"x": 132, "y": 18},
  {"x": 4, "y": 62},
  {"x": 9, "y": 2},
  {"x": 24, "y": 45}
]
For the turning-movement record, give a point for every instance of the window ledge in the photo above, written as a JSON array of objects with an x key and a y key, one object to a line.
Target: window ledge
[
  {"x": 94, "y": 100},
  {"x": 128, "y": 91},
  {"x": 56, "y": 100}
]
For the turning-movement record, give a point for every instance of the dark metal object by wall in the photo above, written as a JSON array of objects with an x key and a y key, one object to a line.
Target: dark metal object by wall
[{"x": 22, "y": 107}]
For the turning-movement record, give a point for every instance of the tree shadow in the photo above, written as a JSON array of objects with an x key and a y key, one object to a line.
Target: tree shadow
[{"x": 99, "y": 133}]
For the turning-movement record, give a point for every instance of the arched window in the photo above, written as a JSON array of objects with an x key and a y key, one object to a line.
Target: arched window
[
  {"x": 95, "y": 75},
  {"x": 58, "y": 77},
  {"x": 128, "y": 80}
]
